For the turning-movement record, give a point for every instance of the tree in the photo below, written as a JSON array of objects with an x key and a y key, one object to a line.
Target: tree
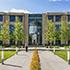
[
  {"x": 64, "y": 31},
  {"x": 69, "y": 33},
  {"x": 19, "y": 31},
  {"x": 12, "y": 36},
  {"x": 50, "y": 32},
  {"x": 5, "y": 33},
  {"x": 1, "y": 33}
]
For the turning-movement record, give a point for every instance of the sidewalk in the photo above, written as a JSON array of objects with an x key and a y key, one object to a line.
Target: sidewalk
[
  {"x": 22, "y": 61},
  {"x": 18, "y": 62},
  {"x": 49, "y": 61}
]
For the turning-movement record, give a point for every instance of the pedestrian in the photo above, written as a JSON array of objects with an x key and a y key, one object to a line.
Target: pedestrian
[{"x": 26, "y": 46}]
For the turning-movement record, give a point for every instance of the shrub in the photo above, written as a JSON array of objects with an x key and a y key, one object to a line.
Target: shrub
[{"x": 35, "y": 63}]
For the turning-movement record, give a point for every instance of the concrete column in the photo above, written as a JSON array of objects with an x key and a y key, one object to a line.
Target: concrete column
[
  {"x": 23, "y": 42},
  {"x": 26, "y": 27},
  {"x": 44, "y": 26}
]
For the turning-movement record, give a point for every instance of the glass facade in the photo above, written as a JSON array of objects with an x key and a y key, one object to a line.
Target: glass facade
[
  {"x": 57, "y": 18},
  {"x": 35, "y": 29}
]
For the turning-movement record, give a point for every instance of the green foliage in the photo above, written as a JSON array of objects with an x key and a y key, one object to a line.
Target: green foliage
[
  {"x": 68, "y": 32},
  {"x": 19, "y": 31},
  {"x": 7, "y": 54},
  {"x": 50, "y": 32},
  {"x": 1, "y": 25},
  {"x": 57, "y": 35},
  {"x": 5, "y": 32},
  {"x": 64, "y": 31},
  {"x": 62, "y": 54}
]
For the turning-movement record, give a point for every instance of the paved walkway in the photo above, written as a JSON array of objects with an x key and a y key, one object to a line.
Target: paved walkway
[
  {"x": 18, "y": 62},
  {"x": 49, "y": 61},
  {"x": 22, "y": 61}
]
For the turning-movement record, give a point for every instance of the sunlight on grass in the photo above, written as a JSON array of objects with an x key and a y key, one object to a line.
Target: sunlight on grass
[
  {"x": 62, "y": 54},
  {"x": 7, "y": 54}
]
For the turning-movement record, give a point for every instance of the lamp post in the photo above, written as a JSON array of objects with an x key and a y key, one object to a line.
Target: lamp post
[
  {"x": 68, "y": 55},
  {"x": 2, "y": 55},
  {"x": 16, "y": 50}
]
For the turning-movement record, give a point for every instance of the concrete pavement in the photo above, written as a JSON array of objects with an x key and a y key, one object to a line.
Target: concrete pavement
[
  {"x": 18, "y": 62},
  {"x": 49, "y": 61},
  {"x": 22, "y": 61}
]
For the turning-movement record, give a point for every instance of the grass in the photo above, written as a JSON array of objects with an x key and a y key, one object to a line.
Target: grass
[
  {"x": 62, "y": 54},
  {"x": 7, "y": 54}
]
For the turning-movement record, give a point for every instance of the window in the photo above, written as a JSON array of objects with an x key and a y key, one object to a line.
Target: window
[
  {"x": 11, "y": 28},
  {"x": 57, "y": 26},
  {"x": 1, "y": 18},
  {"x": 20, "y": 18},
  {"x": 12, "y": 18},
  {"x": 68, "y": 17},
  {"x": 57, "y": 18},
  {"x": 32, "y": 29},
  {"x": 50, "y": 17}
]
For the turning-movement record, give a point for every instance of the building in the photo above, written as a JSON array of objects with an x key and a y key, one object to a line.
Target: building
[{"x": 34, "y": 24}]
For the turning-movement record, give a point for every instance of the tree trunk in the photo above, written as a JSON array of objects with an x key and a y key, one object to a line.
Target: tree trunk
[
  {"x": 66, "y": 42},
  {"x": 16, "y": 43},
  {"x": 50, "y": 44}
]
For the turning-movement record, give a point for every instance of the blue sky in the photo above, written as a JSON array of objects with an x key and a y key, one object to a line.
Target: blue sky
[{"x": 38, "y": 6}]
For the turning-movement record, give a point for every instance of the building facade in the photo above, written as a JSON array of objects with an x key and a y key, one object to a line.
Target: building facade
[{"x": 34, "y": 24}]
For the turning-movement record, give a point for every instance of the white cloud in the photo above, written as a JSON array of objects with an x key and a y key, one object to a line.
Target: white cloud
[{"x": 17, "y": 10}]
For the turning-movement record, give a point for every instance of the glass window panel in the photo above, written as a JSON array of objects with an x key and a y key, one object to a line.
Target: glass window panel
[
  {"x": 11, "y": 27},
  {"x": 32, "y": 29},
  {"x": 20, "y": 18},
  {"x": 1, "y": 18},
  {"x": 57, "y": 26},
  {"x": 12, "y": 18},
  {"x": 57, "y": 18},
  {"x": 68, "y": 17},
  {"x": 50, "y": 17}
]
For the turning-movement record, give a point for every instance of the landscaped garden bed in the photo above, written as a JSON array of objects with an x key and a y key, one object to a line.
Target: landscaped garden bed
[{"x": 35, "y": 63}]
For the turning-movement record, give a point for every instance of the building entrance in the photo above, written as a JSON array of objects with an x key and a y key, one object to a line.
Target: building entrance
[{"x": 35, "y": 31}]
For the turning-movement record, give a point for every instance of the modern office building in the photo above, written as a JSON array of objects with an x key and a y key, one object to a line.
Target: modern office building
[{"x": 34, "y": 24}]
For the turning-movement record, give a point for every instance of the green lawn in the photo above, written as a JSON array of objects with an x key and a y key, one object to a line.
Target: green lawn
[
  {"x": 62, "y": 54},
  {"x": 7, "y": 54}
]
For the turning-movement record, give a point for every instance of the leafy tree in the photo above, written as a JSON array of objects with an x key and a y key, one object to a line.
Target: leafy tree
[
  {"x": 19, "y": 31},
  {"x": 64, "y": 31},
  {"x": 5, "y": 33},
  {"x": 69, "y": 33},
  {"x": 0, "y": 32},
  {"x": 12, "y": 36},
  {"x": 50, "y": 32}
]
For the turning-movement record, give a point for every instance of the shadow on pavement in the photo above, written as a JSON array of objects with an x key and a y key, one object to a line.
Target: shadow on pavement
[{"x": 13, "y": 65}]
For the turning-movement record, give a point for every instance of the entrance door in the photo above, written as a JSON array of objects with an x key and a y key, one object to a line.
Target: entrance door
[{"x": 35, "y": 33}]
